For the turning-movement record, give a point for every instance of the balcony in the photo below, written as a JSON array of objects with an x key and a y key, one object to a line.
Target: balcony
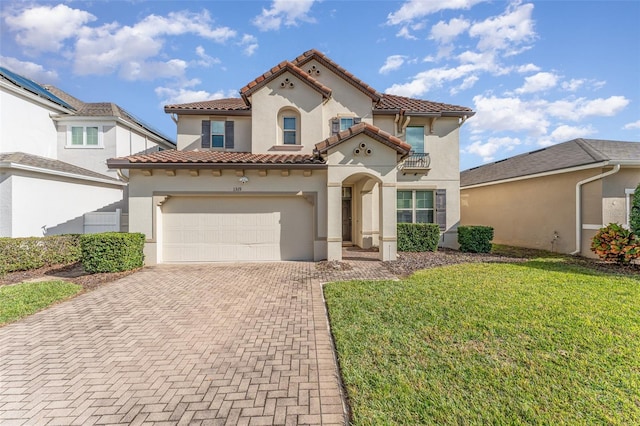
[{"x": 416, "y": 163}]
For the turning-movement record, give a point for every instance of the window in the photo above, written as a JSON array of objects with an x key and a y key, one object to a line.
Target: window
[
  {"x": 629, "y": 201},
  {"x": 84, "y": 136},
  {"x": 345, "y": 123},
  {"x": 217, "y": 134},
  {"x": 289, "y": 130},
  {"x": 415, "y": 207},
  {"x": 415, "y": 138}
]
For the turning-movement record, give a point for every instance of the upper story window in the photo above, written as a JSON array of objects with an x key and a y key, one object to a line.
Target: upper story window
[
  {"x": 339, "y": 124},
  {"x": 289, "y": 130},
  {"x": 289, "y": 127},
  {"x": 84, "y": 136},
  {"x": 217, "y": 134},
  {"x": 345, "y": 123},
  {"x": 415, "y": 138}
]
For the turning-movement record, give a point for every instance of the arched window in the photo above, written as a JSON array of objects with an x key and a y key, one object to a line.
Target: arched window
[{"x": 289, "y": 126}]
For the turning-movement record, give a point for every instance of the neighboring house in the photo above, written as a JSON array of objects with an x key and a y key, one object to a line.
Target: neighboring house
[
  {"x": 53, "y": 152},
  {"x": 308, "y": 159},
  {"x": 555, "y": 198}
]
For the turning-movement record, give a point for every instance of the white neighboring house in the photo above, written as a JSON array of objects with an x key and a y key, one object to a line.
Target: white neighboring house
[{"x": 53, "y": 152}]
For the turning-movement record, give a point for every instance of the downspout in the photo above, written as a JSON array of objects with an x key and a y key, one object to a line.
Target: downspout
[
  {"x": 616, "y": 169},
  {"x": 122, "y": 176}
]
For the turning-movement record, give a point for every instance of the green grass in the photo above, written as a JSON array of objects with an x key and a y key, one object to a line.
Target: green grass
[
  {"x": 19, "y": 300},
  {"x": 541, "y": 342}
]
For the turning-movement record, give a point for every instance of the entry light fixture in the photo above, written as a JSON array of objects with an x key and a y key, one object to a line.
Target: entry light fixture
[{"x": 243, "y": 179}]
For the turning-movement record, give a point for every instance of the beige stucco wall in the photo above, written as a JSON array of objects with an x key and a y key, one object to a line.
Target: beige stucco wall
[
  {"x": 528, "y": 213},
  {"x": 190, "y": 131},
  {"x": 143, "y": 211}
]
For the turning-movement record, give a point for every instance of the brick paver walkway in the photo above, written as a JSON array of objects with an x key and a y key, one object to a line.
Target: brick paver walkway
[{"x": 196, "y": 344}]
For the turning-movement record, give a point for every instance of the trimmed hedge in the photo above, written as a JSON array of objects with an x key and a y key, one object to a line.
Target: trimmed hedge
[
  {"x": 23, "y": 254},
  {"x": 475, "y": 239},
  {"x": 418, "y": 236},
  {"x": 112, "y": 252}
]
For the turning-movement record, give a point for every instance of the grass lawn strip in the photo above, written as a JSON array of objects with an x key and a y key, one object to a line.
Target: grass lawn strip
[
  {"x": 542, "y": 342},
  {"x": 19, "y": 300}
]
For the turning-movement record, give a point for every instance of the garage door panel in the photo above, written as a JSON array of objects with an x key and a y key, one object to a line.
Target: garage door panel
[{"x": 210, "y": 229}]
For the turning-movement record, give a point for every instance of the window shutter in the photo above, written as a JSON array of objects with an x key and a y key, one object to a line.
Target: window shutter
[
  {"x": 335, "y": 126},
  {"x": 441, "y": 208},
  {"x": 206, "y": 134},
  {"x": 228, "y": 134},
  {"x": 357, "y": 120}
]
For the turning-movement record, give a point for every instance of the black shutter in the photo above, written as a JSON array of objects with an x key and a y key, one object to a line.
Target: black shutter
[
  {"x": 228, "y": 134},
  {"x": 206, "y": 134},
  {"x": 335, "y": 126},
  {"x": 441, "y": 208},
  {"x": 357, "y": 120}
]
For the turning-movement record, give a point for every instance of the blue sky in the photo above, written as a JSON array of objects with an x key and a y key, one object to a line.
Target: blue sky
[{"x": 536, "y": 73}]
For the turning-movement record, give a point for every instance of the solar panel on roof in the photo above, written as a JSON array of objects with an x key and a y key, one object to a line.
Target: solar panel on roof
[{"x": 32, "y": 87}]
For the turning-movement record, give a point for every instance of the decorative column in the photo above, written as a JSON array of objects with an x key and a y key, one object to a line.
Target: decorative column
[
  {"x": 388, "y": 218},
  {"x": 334, "y": 220}
]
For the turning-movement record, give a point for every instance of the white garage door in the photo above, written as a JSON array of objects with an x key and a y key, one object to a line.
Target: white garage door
[{"x": 223, "y": 229}]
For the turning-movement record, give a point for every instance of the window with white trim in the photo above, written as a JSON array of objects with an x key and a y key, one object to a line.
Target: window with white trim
[
  {"x": 84, "y": 136},
  {"x": 217, "y": 134},
  {"x": 288, "y": 126},
  {"x": 415, "y": 206},
  {"x": 289, "y": 130},
  {"x": 415, "y": 138}
]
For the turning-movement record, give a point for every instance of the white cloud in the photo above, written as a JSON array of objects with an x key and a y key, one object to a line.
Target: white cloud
[
  {"x": 30, "y": 70},
  {"x": 250, "y": 44},
  {"x": 446, "y": 32},
  {"x": 45, "y": 28},
  {"x": 392, "y": 63},
  {"x": 184, "y": 95},
  {"x": 580, "y": 108},
  {"x": 632, "y": 125},
  {"x": 538, "y": 82},
  {"x": 523, "y": 69},
  {"x": 416, "y": 9},
  {"x": 509, "y": 114},
  {"x": 112, "y": 47},
  {"x": 467, "y": 83},
  {"x": 287, "y": 12},
  {"x": 487, "y": 150},
  {"x": 573, "y": 85},
  {"x": 510, "y": 32},
  {"x": 564, "y": 133},
  {"x": 205, "y": 59},
  {"x": 404, "y": 33},
  {"x": 134, "y": 70}
]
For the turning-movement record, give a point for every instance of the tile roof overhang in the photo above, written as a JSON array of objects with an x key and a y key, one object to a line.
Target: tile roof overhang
[
  {"x": 320, "y": 57},
  {"x": 277, "y": 71},
  {"x": 394, "y": 104},
  {"x": 373, "y": 132},
  {"x": 227, "y": 106},
  {"x": 216, "y": 160}
]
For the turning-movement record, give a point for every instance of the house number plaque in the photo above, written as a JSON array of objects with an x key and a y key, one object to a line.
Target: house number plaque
[{"x": 237, "y": 189}]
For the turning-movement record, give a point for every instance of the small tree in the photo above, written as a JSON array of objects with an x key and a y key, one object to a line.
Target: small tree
[{"x": 634, "y": 218}]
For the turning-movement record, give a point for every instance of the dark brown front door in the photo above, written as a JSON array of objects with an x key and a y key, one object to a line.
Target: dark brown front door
[{"x": 346, "y": 220}]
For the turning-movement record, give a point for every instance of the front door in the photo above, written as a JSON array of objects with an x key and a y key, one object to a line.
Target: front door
[{"x": 346, "y": 220}]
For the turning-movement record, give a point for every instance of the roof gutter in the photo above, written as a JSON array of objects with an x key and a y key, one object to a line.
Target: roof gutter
[
  {"x": 616, "y": 169},
  {"x": 124, "y": 164}
]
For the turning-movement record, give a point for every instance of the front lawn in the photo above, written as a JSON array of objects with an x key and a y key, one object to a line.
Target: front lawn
[
  {"x": 540, "y": 342},
  {"x": 19, "y": 300}
]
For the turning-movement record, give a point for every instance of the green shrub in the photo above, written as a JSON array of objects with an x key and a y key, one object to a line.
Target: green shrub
[
  {"x": 112, "y": 252},
  {"x": 475, "y": 239},
  {"x": 23, "y": 254},
  {"x": 613, "y": 243},
  {"x": 634, "y": 218},
  {"x": 418, "y": 236}
]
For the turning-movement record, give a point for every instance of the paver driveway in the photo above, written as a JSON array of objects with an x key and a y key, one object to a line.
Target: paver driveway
[{"x": 196, "y": 344}]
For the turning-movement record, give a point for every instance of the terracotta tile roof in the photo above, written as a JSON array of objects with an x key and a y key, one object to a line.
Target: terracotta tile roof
[
  {"x": 369, "y": 130},
  {"x": 394, "y": 103},
  {"x": 566, "y": 155},
  {"x": 203, "y": 158},
  {"x": 31, "y": 160},
  {"x": 228, "y": 104},
  {"x": 309, "y": 55},
  {"x": 278, "y": 70}
]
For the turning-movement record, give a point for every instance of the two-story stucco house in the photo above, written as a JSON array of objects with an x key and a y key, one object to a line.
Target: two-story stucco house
[
  {"x": 307, "y": 159},
  {"x": 53, "y": 152}
]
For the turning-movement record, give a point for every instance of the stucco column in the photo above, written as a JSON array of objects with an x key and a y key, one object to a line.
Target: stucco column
[
  {"x": 334, "y": 221},
  {"x": 388, "y": 218}
]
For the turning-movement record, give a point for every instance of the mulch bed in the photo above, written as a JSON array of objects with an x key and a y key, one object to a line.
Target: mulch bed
[{"x": 74, "y": 273}]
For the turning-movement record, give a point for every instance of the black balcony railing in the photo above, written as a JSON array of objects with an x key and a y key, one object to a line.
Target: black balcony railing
[{"x": 416, "y": 162}]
